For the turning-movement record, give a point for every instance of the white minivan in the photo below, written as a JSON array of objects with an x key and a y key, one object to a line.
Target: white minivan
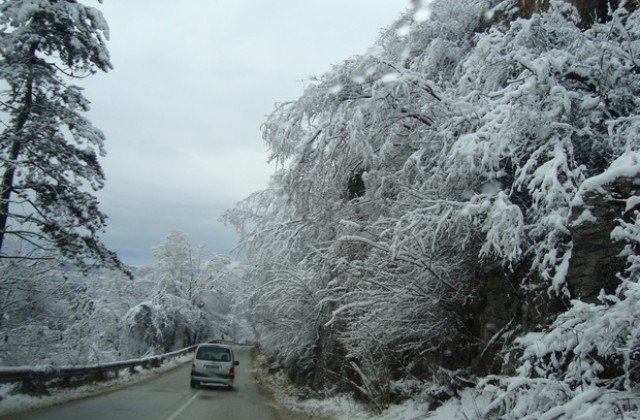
[{"x": 213, "y": 364}]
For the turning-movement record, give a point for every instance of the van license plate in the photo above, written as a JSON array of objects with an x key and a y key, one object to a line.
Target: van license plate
[{"x": 213, "y": 367}]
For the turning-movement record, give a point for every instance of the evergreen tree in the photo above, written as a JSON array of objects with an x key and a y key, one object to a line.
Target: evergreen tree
[{"x": 48, "y": 149}]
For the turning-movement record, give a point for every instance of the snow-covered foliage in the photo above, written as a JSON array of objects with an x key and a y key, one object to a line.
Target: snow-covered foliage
[
  {"x": 164, "y": 323},
  {"x": 65, "y": 318},
  {"x": 456, "y": 143},
  {"x": 55, "y": 316},
  {"x": 585, "y": 365},
  {"x": 48, "y": 149},
  {"x": 189, "y": 299}
]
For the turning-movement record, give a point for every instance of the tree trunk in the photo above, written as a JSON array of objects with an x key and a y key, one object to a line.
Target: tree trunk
[{"x": 6, "y": 189}]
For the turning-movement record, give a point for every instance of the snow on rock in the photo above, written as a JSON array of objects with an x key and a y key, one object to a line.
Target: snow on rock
[{"x": 625, "y": 166}]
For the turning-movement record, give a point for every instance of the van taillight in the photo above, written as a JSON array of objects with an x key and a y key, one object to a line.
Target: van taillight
[{"x": 232, "y": 372}]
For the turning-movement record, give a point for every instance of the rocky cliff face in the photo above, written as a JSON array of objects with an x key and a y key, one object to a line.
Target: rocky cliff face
[
  {"x": 595, "y": 259},
  {"x": 505, "y": 307}
]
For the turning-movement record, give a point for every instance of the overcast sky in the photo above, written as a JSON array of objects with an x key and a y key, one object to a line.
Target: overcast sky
[{"x": 193, "y": 82}]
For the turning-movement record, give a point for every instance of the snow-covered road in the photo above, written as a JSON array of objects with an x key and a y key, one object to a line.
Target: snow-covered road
[{"x": 168, "y": 397}]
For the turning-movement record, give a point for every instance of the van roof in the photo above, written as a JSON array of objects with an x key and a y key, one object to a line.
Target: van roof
[{"x": 224, "y": 346}]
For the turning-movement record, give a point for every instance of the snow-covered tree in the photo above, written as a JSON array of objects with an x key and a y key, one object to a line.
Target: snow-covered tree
[
  {"x": 67, "y": 318},
  {"x": 446, "y": 158},
  {"x": 48, "y": 150},
  {"x": 181, "y": 265},
  {"x": 188, "y": 296},
  {"x": 62, "y": 316},
  {"x": 586, "y": 362}
]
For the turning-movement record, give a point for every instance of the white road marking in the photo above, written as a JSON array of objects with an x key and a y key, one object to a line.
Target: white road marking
[{"x": 181, "y": 409}]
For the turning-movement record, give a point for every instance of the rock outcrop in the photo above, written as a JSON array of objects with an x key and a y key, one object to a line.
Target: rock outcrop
[{"x": 595, "y": 258}]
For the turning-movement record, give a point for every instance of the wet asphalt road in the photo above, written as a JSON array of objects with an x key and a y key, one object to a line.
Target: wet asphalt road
[{"x": 168, "y": 397}]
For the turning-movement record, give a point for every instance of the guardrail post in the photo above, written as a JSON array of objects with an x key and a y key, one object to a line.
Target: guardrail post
[{"x": 35, "y": 384}]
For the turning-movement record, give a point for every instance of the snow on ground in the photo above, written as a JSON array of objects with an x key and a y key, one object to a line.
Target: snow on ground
[
  {"x": 293, "y": 405},
  {"x": 468, "y": 406},
  {"x": 12, "y": 403}
]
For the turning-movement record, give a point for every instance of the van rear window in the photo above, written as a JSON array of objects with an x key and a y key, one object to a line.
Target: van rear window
[{"x": 214, "y": 353}]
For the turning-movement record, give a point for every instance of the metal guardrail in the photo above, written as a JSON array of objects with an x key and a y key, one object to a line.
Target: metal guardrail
[{"x": 41, "y": 378}]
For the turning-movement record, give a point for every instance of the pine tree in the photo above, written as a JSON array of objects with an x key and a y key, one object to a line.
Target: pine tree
[{"x": 48, "y": 149}]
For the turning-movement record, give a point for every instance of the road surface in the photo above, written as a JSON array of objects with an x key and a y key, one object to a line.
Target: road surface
[{"x": 168, "y": 397}]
